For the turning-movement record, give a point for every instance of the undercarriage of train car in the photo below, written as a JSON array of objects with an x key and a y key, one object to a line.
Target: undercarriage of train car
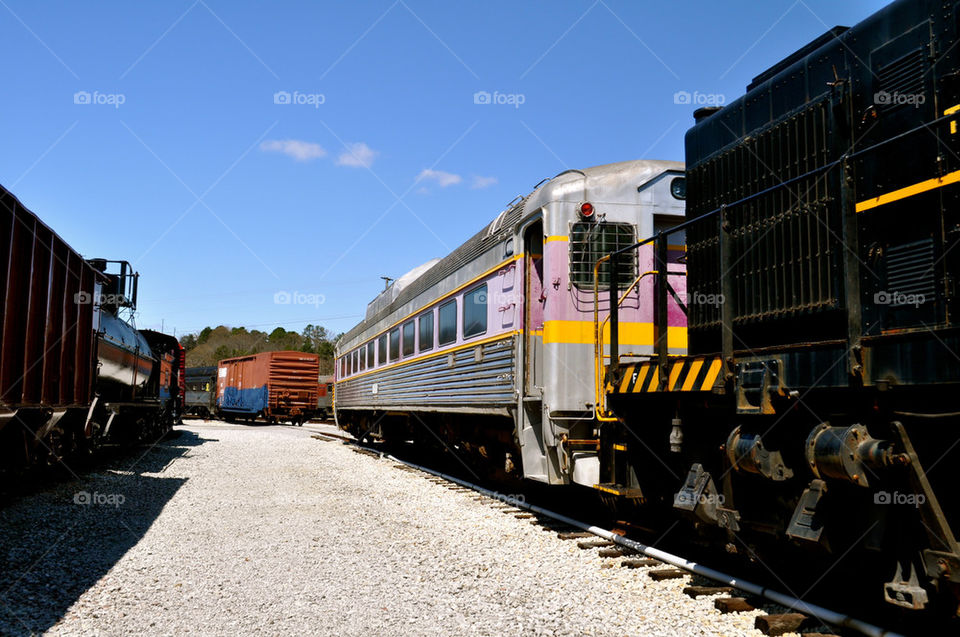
[{"x": 483, "y": 444}]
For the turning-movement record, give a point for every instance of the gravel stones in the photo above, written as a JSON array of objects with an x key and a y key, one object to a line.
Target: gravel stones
[{"x": 265, "y": 530}]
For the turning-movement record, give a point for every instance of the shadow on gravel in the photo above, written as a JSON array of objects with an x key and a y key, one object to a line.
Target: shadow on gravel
[{"x": 56, "y": 543}]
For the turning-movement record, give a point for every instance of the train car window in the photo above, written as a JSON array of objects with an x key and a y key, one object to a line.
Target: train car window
[
  {"x": 409, "y": 332},
  {"x": 382, "y": 349},
  {"x": 447, "y": 319},
  {"x": 356, "y": 361},
  {"x": 394, "y": 344},
  {"x": 362, "y": 353},
  {"x": 370, "y": 352},
  {"x": 475, "y": 311},
  {"x": 349, "y": 364},
  {"x": 589, "y": 241},
  {"x": 426, "y": 332}
]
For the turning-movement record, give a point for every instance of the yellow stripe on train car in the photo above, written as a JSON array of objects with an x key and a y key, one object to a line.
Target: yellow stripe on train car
[
  {"x": 909, "y": 191},
  {"x": 583, "y": 333}
]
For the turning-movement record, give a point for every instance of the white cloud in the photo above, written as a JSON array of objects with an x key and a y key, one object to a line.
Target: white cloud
[
  {"x": 442, "y": 178},
  {"x": 482, "y": 182},
  {"x": 299, "y": 150},
  {"x": 358, "y": 155}
]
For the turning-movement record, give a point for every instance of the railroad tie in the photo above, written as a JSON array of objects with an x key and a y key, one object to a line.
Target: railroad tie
[
  {"x": 776, "y": 625},
  {"x": 594, "y": 544},
  {"x": 669, "y": 573},
  {"x": 640, "y": 562},
  {"x": 732, "y": 605},
  {"x": 573, "y": 535}
]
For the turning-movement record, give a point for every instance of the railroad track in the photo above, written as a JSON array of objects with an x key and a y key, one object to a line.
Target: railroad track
[{"x": 738, "y": 595}]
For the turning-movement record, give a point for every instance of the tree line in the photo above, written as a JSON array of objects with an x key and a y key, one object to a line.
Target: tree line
[{"x": 212, "y": 344}]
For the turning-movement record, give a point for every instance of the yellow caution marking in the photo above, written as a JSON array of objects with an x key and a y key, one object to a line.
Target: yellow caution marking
[
  {"x": 692, "y": 375},
  {"x": 654, "y": 378},
  {"x": 674, "y": 375},
  {"x": 712, "y": 374}
]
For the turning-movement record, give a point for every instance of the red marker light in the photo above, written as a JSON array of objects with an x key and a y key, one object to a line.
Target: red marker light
[{"x": 586, "y": 210}]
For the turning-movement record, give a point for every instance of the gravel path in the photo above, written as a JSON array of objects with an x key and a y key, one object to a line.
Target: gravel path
[{"x": 264, "y": 530}]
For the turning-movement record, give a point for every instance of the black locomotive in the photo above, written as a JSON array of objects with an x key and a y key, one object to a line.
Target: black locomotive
[{"x": 822, "y": 270}]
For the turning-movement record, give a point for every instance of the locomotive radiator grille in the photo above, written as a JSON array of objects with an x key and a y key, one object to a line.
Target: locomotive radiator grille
[{"x": 786, "y": 242}]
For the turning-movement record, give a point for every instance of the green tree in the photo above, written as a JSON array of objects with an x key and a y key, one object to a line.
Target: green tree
[
  {"x": 315, "y": 335},
  {"x": 189, "y": 341}
]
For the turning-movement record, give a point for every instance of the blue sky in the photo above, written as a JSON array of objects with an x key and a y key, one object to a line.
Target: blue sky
[{"x": 162, "y": 132}]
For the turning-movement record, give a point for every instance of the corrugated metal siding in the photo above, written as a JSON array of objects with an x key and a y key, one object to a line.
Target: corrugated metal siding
[
  {"x": 289, "y": 377},
  {"x": 293, "y": 380},
  {"x": 46, "y": 319},
  {"x": 434, "y": 382}
]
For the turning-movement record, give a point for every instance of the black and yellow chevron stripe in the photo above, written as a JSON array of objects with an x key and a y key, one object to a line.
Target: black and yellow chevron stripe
[{"x": 686, "y": 374}]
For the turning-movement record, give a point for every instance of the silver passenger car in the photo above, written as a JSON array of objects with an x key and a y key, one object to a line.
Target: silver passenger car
[{"x": 491, "y": 352}]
